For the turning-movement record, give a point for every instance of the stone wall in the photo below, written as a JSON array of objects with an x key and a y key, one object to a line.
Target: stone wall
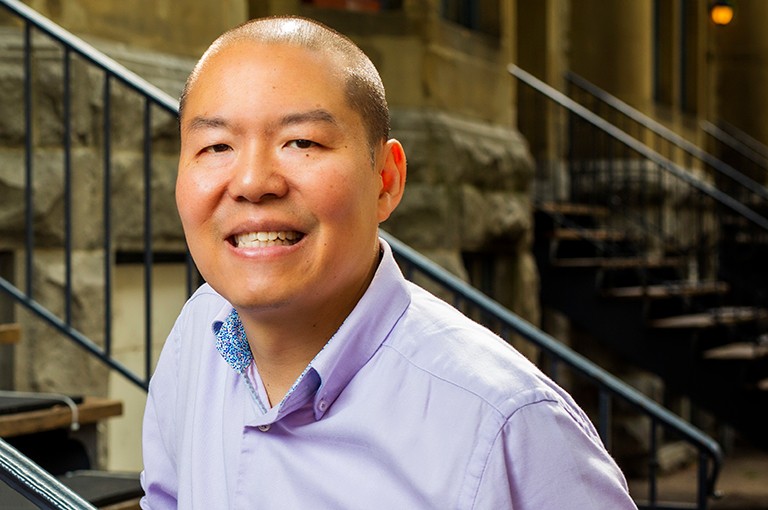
[{"x": 44, "y": 360}]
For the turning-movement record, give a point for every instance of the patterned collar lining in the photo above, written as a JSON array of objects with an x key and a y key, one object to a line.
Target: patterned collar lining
[{"x": 232, "y": 343}]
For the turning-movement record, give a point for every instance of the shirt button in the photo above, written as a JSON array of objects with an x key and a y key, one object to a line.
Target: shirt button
[
  {"x": 264, "y": 428},
  {"x": 322, "y": 406}
]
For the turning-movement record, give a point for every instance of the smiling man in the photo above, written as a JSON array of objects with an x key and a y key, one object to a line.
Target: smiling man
[{"x": 306, "y": 372}]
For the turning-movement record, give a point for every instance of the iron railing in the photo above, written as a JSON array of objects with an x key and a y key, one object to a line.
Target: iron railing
[
  {"x": 669, "y": 211},
  {"x": 610, "y": 391},
  {"x": 734, "y": 181},
  {"x": 36, "y": 484},
  {"x": 115, "y": 84},
  {"x": 738, "y": 148},
  {"x": 738, "y": 231}
]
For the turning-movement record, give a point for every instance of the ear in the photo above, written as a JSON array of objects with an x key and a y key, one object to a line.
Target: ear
[{"x": 392, "y": 173}]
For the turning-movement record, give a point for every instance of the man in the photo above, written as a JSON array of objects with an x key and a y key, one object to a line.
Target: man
[{"x": 307, "y": 373}]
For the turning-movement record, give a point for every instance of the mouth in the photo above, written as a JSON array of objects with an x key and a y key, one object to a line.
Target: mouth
[{"x": 266, "y": 239}]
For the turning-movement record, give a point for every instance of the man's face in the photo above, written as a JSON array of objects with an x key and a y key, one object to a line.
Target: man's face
[{"x": 277, "y": 194}]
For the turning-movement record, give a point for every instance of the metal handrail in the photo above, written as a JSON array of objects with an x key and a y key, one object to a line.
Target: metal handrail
[
  {"x": 643, "y": 120},
  {"x": 36, "y": 484},
  {"x": 96, "y": 57},
  {"x": 609, "y": 386},
  {"x": 638, "y": 147},
  {"x": 747, "y": 146}
]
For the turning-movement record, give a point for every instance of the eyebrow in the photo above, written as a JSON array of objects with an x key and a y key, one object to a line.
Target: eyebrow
[
  {"x": 198, "y": 123},
  {"x": 317, "y": 115}
]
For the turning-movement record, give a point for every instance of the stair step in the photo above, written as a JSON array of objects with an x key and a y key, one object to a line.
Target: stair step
[
  {"x": 672, "y": 289},
  {"x": 571, "y": 209},
  {"x": 737, "y": 351},
  {"x": 715, "y": 317},
  {"x": 10, "y": 333},
  {"x": 102, "y": 488},
  {"x": 577, "y": 234},
  {"x": 616, "y": 262}
]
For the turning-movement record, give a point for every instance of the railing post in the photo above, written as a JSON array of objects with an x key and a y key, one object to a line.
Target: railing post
[
  {"x": 107, "y": 210},
  {"x": 604, "y": 417},
  {"x": 148, "y": 255},
  {"x": 653, "y": 463},
  {"x": 702, "y": 495},
  {"x": 29, "y": 212},
  {"x": 67, "y": 135}
]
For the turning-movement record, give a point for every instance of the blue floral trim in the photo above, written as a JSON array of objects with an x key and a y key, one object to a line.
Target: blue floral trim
[{"x": 232, "y": 343}]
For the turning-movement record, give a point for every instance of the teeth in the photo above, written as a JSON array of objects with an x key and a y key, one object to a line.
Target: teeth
[{"x": 266, "y": 239}]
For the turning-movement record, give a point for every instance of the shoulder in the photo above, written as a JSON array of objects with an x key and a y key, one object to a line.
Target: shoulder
[
  {"x": 200, "y": 311},
  {"x": 436, "y": 338},
  {"x": 204, "y": 301},
  {"x": 194, "y": 326}
]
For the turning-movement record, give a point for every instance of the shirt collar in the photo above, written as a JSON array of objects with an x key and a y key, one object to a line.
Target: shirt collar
[
  {"x": 363, "y": 332},
  {"x": 350, "y": 348}
]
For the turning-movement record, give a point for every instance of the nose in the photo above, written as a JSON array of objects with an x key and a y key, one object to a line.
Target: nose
[{"x": 257, "y": 177}]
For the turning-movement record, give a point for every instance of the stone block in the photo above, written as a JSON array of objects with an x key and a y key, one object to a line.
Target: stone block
[
  {"x": 128, "y": 202},
  {"x": 493, "y": 218},
  {"x": 427, "y": 217},
  {"x": 46, "y": 360}
]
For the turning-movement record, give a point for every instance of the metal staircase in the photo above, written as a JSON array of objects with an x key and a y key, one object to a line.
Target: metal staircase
[
  {"x": 656, "y": 251},
  {"x": 605, "y": 396}
]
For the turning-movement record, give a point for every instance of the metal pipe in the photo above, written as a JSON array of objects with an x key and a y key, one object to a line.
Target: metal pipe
[
  {"x": 29, "y": 211},
  {"x": 107, "y": 211},
  {"x": 67, "y": 141},
  {"x": 36, "y": 484},
  {"x": 148, "y": 254}
]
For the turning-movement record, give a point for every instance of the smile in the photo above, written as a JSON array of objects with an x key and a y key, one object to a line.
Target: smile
[{"x": 266, "y": 239}]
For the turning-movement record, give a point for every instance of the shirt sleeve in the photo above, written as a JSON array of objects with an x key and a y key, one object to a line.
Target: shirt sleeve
[
  {"x": 158, "y": 479},
  {"x": 546, "y": 457}
]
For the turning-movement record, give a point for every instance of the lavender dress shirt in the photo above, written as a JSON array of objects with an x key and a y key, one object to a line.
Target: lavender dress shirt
[{"x": 409, "y": 406}]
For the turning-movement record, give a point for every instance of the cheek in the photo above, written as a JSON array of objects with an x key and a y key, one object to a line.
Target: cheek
[{"x": 192, "y": 198}]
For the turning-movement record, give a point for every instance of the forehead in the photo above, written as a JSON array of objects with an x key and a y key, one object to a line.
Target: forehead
[{"x": 248, "y": 68}]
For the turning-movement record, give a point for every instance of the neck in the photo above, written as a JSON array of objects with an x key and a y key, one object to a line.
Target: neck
[
  {"x": 283, "y": 342},
  {"x": 282, "y": 352}
]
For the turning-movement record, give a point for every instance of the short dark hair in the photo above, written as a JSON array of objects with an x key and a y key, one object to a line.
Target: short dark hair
[{"x": 364, "y": 88}]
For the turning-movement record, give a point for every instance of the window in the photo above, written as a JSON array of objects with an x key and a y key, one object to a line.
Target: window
[
  {"x": 478, "y": 15},
  {"x": 356, "y": 5}
]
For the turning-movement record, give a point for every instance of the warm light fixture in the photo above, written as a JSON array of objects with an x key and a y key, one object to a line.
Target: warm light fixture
[{"x": 721, "y": 12}]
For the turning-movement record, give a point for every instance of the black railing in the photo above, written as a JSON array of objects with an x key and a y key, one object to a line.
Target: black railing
[
  {"x": 660, "y": 181},
  {"x": 668, "y": 211},
  {"x": 139, "y": 242},
  {"x": 36, "y": 484},
  {"x": 45, "y": 48},
  {"x": 738, "y": 148},
  {"x": 735, "y": 181}
]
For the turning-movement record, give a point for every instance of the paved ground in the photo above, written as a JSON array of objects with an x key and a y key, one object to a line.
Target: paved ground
[{"x": 743, "y": 483}]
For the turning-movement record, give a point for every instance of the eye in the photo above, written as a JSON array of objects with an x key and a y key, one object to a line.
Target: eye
[
  {"x": 218, "y": 147},
  {"x": 302, "y": 144}
]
